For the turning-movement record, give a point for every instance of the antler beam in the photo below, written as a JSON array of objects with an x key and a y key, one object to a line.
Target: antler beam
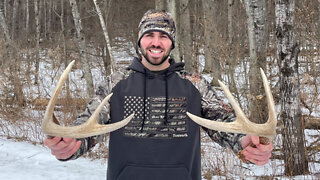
[
  {"x": 90, "y": 128},
  {"x": 242, "y": 124}
]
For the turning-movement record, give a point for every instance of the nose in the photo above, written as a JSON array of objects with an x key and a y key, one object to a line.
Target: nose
[{"x": 156, "y": 41}]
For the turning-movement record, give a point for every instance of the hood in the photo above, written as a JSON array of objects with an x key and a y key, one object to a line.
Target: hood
[{"x": 137, "y": 66}]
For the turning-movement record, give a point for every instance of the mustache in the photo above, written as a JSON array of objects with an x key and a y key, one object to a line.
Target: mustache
[{"x": 155, "y": 47}]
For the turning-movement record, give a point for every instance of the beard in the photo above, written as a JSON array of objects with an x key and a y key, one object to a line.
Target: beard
[{"x": 155, "y": 63}]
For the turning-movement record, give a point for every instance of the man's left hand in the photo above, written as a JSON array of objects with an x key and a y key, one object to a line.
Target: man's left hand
[{"x": 260, "y": 154}]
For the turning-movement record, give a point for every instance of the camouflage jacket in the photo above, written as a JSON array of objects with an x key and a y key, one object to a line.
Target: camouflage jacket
[{"x": 212, "y": 107}]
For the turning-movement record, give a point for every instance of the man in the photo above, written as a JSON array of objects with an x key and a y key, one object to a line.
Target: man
[{"x": 160, "y": 142}]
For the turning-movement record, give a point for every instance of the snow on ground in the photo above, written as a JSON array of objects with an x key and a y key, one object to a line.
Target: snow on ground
[{"x": 25, "y": 161}]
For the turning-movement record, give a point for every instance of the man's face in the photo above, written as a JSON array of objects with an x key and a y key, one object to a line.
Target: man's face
[{"x": 155, "y": 47}]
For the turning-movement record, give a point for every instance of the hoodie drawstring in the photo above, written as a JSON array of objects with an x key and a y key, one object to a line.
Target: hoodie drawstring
[
  {"x": 166, "y": 106},
  {"x": 144, "y": 99}
]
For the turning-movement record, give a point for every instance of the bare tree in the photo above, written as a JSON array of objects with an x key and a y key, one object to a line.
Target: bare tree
[
  {"x": 108, "y": 65},
  {"x": 48, "y": 14},
  {"x": 232, "y": 57},
  {"x": 27, "y": 26},
  {"x": 287, "y": 52},
  {"x": 63, "y": 33},
  {"x": 38, "y": 28},
  {"x": 256, "y": 27},
  {"x": 82, "y": 47},
  {"x": 318, "y": 24},
  {"x": 160, "y": 4},
  {"x": 4, "y": 23},
  {"x": 186, "y": 36},
  {"x": 15, "y": 17},
  {"x": 172, "y": 8},
  {"x": 230, "y": 24},
  {"x": 64, "y": 54},
  {"x": 212, "y": 63}
]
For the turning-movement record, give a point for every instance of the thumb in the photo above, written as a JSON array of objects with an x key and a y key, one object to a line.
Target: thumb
[
  {"x": 68, "y": 140},
  {"x": 246, "y": 140},
  {"x": 255, "y": 140}
]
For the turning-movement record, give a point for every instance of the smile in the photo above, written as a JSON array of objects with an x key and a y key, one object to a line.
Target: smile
[{"x": 155, "y": 51}]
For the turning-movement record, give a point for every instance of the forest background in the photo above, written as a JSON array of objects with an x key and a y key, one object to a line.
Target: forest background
[{"x": 221, "y": 39}]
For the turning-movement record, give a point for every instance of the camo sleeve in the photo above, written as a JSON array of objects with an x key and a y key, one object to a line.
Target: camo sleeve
[
  {"x": 214, "y": 108},
  {"x": 103, "y": 89}
]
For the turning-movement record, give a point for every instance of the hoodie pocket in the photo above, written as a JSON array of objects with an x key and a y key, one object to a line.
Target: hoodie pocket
[{"x": 151, "y": 172}]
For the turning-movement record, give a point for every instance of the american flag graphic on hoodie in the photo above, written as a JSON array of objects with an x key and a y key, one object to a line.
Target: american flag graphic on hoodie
[{"x": 155, "y": 125}]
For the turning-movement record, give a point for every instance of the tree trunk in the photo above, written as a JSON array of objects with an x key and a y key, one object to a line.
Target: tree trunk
[
  {"x": 212, "y": 64},
  {"x": 108, "y": 65},
  {"x": 186, "y": 38},
  {"x": 5, "y": 8},
  {"x": 209, "y": 11},
  {"x": 172, "y": 8},
  {"x": 37, "y": 20},
  {"x": 43, "y": 22},
  {"x": 49, "y": 18},
  {"x": 82, "y": 48},
  {"x": 27, "y": 19},
  {"x": 249, "y": 4},
  {"x": 318, "y": 24},
  {"x": 196, "y": 30},
  {"x": 4, "y": 23},
  {"x": 159, "y": 4},
  {"x": 232, "y": 55},
  {"x": 256, "y": 27},
  {"x": 230, "y": 21},
  {"x": 64, "y": 59},
  {"x": 15, "y": 25},
  {"x": 64, "y": 55},
  {"x": 287, "y": 52}
]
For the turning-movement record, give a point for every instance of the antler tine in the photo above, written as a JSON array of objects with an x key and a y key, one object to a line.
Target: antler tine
[
  {"x": 89, "y": 128},
  {"x": 272, "y": 119},
  {"x": 232, "y": 101},
  {"x": 48, "y": 116},
  {"x": 242, "y": 124}
]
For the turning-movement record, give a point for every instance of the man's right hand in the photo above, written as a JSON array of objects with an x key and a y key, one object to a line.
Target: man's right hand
[{"x": 62, "y": 148}]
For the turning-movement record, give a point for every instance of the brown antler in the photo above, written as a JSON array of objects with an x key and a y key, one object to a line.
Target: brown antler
[
  {"x": 87, "y": 129},
  {"x": 242, "y": 124}
]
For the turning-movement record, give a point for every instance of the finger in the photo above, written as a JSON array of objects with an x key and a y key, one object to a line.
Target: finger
[
  {"x": 63, "y": 144},
  {"x": 255, "y": 140},
  {"x": 261, "y": 147},
  {"x": 255, "y": 154},
  {"x": 63, "y": 156},
  {"x": 74, "y": 145},
  {"x": 261, "y": 163},
  {"x": 246, "y": 140},
  {"x": 267, "y": 147},
  {"x": 50, "y": 142},
  {"x": 68, "y": 140},
  {"x": 63, "y": 147},
  {"x": 69, "y": 153},
  {"x": 258, "y": 157},
  {"x": 256, "y": 150}
]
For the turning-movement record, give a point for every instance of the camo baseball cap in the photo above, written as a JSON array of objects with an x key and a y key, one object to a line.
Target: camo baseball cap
[{"x": 156, "y": 20}]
